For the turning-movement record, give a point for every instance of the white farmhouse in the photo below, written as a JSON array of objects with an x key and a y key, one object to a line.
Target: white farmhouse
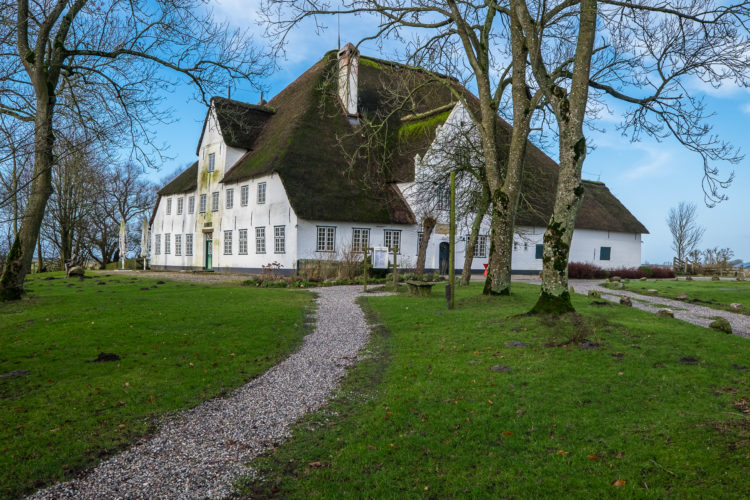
[{"x": 304, "y": 177}]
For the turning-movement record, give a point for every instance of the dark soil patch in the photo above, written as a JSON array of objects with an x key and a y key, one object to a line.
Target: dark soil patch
[
  {"x": 689, "y": 360},
  {"x": 14, "y": 374},
  {"x": 515, "y": 343},
  {"x": 49, "y": 278},
  {"x": 500, "y": 368},
  {"x": 106, "y": 356},
  {"x": 738, "y": 367},
  {"x": 600, "y": 303},
  {"x": 161, "y": 282}
]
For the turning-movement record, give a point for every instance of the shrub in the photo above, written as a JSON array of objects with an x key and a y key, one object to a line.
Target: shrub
[{"x": 584, "y": 270}]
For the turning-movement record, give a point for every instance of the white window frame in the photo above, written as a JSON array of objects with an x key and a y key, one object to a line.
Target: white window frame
[
  {"x": 260, "y": 240},
  {"x": 211, "y": 162},
  {"x": 388, "y": 237},
  {"x": 481, "y": 249},
  {"x": 228, "y": 242},
  {"x": 244, "y": 195},
  {"x": 180, "y": 205},
  {"x": 202, "y": 204},
  {"x": 443, "y": 197},
  {"x": 157, "y": 244},
  {"x": 191, "y": 204},
  {"x": 189, "y": 245},
  {"x": 169, "y": 206},
  {"x": 215, "y": 201},
  {"x": 261, "y": 193},
  {"x": 420, "y": 235},
  {"x": 279, "y": 239},
  {"x": 360, "y": 239},
  {"x": 230, "y": 198},
  {"x": 243, "y": 242},
  {"x": 178, "y": 244},
  {"x": 167, "y": 244},
  {"x": 326, "y": 239}
]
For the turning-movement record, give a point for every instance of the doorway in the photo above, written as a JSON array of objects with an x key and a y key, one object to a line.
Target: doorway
[
  {"x": 209, "y": 251},
  {"x": 444, "y": 256}
]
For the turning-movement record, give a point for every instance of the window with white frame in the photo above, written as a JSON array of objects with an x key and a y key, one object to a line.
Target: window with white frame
[
  {"x": 392, "y": 238},
  {"x": 244, "y": 194},
  {"x": 279, "y": 239},
  {"x": 191, "y": 204},
  {"x": 481, "y": 251},
  {"x": 215, "y": 201},
  {"x": 157, "y": 244},
  {"x": 189, "y": 245},
  {"x": 261, "y": 193},
  {"x": 230, "y": 198},
  {"x": 326, "y": 239},
  {"x": 167, "y": 248},
  {"x": 243, "y": 242},
  {"x": 211, "y": 162},
  {"x": 360, "y": 239},
  {"x": 420, "y": 234},
  {"x": 180, "y": 204},
  {"x": 443, "y": 197},
  {"x": 178, "y": 244},
  {"x": 202, "y": 207},
  {"x": 260, "y": 240},
  {"x": 169, "y": 206},
  {"x": 228, "y": 242}
]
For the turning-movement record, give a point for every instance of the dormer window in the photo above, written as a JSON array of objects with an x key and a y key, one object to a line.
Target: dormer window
[{"x": 211, "y": 162}]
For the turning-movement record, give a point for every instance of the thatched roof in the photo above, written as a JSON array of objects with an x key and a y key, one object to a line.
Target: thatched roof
[
  {"x": 303, "y": 132},
  {"x": 185, "y": 182}
]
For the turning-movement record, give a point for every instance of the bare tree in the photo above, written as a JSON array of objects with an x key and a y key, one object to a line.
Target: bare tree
[
  {"x": 103, "y": 65},
  {"x": 646, "y": 47},
  {"x": 686, "y": 232}
]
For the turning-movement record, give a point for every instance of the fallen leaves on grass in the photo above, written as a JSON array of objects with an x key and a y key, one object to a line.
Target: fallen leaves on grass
[
  {"x": 593, "y": 457},
  {"x": 619, "y": 482},
  {"x": 315, "y": 464}
]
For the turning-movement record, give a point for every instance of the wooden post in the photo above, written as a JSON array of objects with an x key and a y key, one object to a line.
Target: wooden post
[
  {"x": 452, "y": 243},
  {"x": 364, "y": 269},
  {"x": 395, "y": 269}
]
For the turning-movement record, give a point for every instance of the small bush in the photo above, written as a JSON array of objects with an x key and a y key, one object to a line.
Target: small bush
[{"x": 585, "y": 270}]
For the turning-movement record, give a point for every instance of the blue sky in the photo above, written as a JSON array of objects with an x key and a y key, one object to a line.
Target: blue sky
[{"x": 649, "y": 177}]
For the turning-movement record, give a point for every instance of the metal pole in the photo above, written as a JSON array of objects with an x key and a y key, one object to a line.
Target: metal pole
[
  {"x": 364, "y": 269},
  {"x": 395, "y": 269},
  {"x": 452, "y": 243}
]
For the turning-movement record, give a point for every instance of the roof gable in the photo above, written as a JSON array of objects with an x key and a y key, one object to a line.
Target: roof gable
[{"x": 240, "y": 123}]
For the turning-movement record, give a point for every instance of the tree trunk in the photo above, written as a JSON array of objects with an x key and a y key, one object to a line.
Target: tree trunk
[
  {"x": 473, "y": 237},
  {"x": 18, "y": 264},
  {"x": 428, "y": 224},
  {"x": 39, "y": 258}
]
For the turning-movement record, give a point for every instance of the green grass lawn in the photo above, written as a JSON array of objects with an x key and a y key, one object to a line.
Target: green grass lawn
[
  {"x": 714, "y": 294},
  {"x": 180, "y": 343},
  {"x": 644, "y": 407}
]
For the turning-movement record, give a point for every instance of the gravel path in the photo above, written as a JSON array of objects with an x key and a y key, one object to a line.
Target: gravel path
[
  {"x": 692, "y": 313},
  {"x": 201, "y": 451}
]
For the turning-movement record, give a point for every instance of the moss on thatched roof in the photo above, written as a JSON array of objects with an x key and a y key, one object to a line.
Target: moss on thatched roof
[
  {"x": 240, "y": 123},
  {"x": 184, "y": 182}
]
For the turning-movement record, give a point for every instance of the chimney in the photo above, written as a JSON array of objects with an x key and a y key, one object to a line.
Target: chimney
[{"x": 348, "y": 66}]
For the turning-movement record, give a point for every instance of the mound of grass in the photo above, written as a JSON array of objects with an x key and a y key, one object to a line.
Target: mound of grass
[
  {"x": 178, "y": 344},
  {"x": 487, "y": 402},
  {"x": 713, "y": 294}
]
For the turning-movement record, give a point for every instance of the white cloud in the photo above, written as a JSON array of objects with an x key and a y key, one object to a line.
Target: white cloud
[
  {"x": 658, "y": 162},
  {"x": 746, "y": 107}
]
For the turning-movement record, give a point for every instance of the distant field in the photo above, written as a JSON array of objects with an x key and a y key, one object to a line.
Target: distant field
[
  {"x": 714, "y": 294},
  {"x": 179, "y": 343},
  {"x": 450, "y": 405}
]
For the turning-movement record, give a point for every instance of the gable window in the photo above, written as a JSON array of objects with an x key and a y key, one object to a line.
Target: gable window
[
  {"x": 191, "y": 204},
  {"x": 326, "y": 239},
  {"x": 260, "y": 240},
  {"x": 243, "y": 242},
  {"x": 481, "y": 247},
  {"x": 604, "y": 253},
  {"x": 215, "y": 201},
  {"x": 261, "y": 193},
  {"x": 169, "y": 206},
  {"x": 539, "y": 251},
  {"x": 211, "y": 162},
  {"x": 180, "y": 205},
  {"x": 178, "y": 244},
  {"x": 279, "y": 239},
  {"x": 189, "y": 244},
  {"x": 230, "y": 198},
  {"x": 157, "y": 244},
  {"x": 167, "y": 249},
  {"x": 360, "y": 239},
  {"x": 244, "y": 194},
  {"x": 443, "y": 197},
  {"x": 392, "y": 238},
  {"x": 228, "y": 242},
  {"x": 202, "y": 207}
]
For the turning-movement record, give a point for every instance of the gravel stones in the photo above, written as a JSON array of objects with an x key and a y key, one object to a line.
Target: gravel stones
[{"x": 201, "y": 451}]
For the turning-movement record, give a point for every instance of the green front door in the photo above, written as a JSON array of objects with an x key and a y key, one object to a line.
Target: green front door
[{"x": 209, "y": 252}]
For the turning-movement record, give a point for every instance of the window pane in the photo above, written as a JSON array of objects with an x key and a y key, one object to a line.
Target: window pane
[
  {"x": 191, "y": 204},
  {"x": 202, "y": 207},
  {"x": 227, "y": 242},
  {"x": 169, "y": 206},
  {"x": 211, "y": 162},
  {"x": 260, "y": 240},
  {"x": 244, "y": 195},
  {"x": 279, "y": 237},
  {"x": 604, "y": 253},
  {"x": 230, "y": 198},
  {"x": 167, "y": 248},
  {"x": 189, "y": 244},
  {"x": 180, "y": 203},
  {"x": 215, "y": 201},
  {"x": 243, "y": 242},
  {"x": 261, "y": 193},
  {"x": 539, "y": 251},
  {"x": 178, "y": 244}
]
